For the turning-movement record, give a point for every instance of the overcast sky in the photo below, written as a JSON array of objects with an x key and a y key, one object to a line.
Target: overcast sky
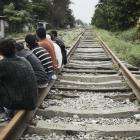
[{"x": 83, "y": 9}]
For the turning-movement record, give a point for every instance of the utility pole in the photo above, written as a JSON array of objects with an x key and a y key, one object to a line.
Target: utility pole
[{"x": 2, "y": 27}]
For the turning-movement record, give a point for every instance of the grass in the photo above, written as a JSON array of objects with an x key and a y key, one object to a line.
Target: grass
[
  {"x": 124, "y": 44},
  {"x": 15, "y": 35},
  {"x": 69, "y": 36},
  {"x": 129, "y": 35}
]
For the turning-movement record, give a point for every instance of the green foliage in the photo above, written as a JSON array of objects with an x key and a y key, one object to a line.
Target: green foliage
[
  {"x": 116, "y": 15},
  {"x": 134, "y": 56},
  {"x": 16, "y": 18},
  {"x": 129, "y": 35},
  {"x": 69, "y": 18},
  {"x": 18, "y": 4},
  {"x": 80, "y": 22},
  {"x": 21, "y": 12},
  {"x": 125, "y": 50},
  {"x": 56, "y": 13}
]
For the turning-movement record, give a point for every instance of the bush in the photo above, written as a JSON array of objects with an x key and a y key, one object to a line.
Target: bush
[
  {"x": 134, "y": 56},
  {"x": 129, "y": 35},
  {"x": 126, "y": 50}
]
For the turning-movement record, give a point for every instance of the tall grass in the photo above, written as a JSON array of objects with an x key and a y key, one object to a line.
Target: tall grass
[
  {"x": 130, "y": 35},
  {"x": 123, "y": 44}
]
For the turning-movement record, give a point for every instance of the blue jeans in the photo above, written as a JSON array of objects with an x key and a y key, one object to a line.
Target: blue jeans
[{"x": 49, "y": 75}]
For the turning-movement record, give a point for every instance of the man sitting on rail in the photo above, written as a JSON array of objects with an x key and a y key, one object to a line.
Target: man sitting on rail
[
  {"x": 57, "y": 52},
  {"x": 18, "y": 85},
  {"x": 42, "y": 54},
  {"x": 47, "y": 44},
  {"x": 61, "y": 44},
  {"x": 40, "y": 73}
]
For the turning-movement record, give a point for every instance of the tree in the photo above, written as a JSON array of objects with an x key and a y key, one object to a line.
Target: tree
[
  {"x": 62, "y": 15},
  {"x": 55, "y": 12},
  {"x": 20, "y": 12},
  {"x": 69, "y": 18},
  {"x": 79, "y": 22},
  {"x": 116, "y": 15},
  {"x": 16, "y": 18}
]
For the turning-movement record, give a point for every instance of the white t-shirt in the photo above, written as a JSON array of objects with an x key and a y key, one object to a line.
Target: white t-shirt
[
  {"x": 57, "y": 51},
  {"x": 1, "y": 57},
  {"x": 58, "y": 54}
]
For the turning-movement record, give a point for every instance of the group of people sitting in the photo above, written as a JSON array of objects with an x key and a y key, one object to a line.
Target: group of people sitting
[{"x": 25, "y": 69}]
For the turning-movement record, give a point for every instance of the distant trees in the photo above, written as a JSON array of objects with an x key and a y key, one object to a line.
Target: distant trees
[
  {"x": 116, "y": 15},
  {"x": 60, "y": 10},
  {"x": 20, "y": 12},
  {"x": 16, "y": 18},
  {"x": 56, "y": 12},
  {"x": 79, "y": 22}
]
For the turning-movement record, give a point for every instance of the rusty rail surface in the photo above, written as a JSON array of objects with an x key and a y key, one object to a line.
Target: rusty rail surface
[
  {"x": 75, "y": 45},
  {"x": 130, "y": 78},
  {"x": 17, "y": 125}
]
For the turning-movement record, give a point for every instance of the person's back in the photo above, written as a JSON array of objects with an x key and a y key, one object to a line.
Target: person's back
[
  {"x": 57, "y": 51},
  {"x": 58, "y": 54},
  {"x": 45, "y": 59},
  {"x": 18, "y": 86},
  {"x": 42, "y": 54},
  {"x": 40, "y": 73},
  {"x": 47, "y": 44}
]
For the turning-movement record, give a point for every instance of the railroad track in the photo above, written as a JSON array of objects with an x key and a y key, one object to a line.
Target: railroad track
[
  {"x": 14, "y": 129},
  {"x": 89, "y": 101}
]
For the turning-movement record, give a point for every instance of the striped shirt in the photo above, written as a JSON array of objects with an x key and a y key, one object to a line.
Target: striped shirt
[
  {"x": 48, "y": 45},
  {"x": 45, "y": 58}
]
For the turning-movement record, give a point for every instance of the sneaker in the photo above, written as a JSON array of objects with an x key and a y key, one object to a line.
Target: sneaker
[
  {"x": 43, "y": 85},
  {"x": 54, "y": 77},
  {"x": 49, "y": 76}
]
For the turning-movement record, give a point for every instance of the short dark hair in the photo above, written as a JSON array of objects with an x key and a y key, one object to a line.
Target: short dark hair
[
  {"x": 54, "y": 33},
  {"x": 7, "y": 46},
  {"x": 41, "y": 33},
  {"x": 31, "y": 40},
  {"x": 19, "y": 46}
]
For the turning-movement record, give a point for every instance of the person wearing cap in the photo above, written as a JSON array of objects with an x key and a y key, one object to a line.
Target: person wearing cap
[
  {"x": 42, "y": 54},
  {"x": 40, "y": 73},
  {"x": 46, "y": 44}
]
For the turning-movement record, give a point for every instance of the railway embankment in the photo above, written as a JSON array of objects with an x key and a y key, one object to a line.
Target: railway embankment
[{"x": 126, "y": 44}]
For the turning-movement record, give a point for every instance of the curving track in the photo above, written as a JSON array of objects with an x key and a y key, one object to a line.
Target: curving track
[{"x": 89, "y": 101}]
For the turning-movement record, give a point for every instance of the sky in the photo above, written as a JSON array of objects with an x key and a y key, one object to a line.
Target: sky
[{"x": 83, "y": 9}]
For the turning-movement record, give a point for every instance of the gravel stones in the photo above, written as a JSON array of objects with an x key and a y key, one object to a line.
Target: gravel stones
[
  {"x": 75, "y": 136},
  {"x": 87, "y": 100},
  {"x": 75, "y": 119}
]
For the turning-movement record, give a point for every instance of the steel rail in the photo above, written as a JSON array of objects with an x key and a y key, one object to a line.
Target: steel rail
[
  {"x": 129, "y": 77},
  {"x": 19, "y": 122},
  {"x": 75, "y": 45}
]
